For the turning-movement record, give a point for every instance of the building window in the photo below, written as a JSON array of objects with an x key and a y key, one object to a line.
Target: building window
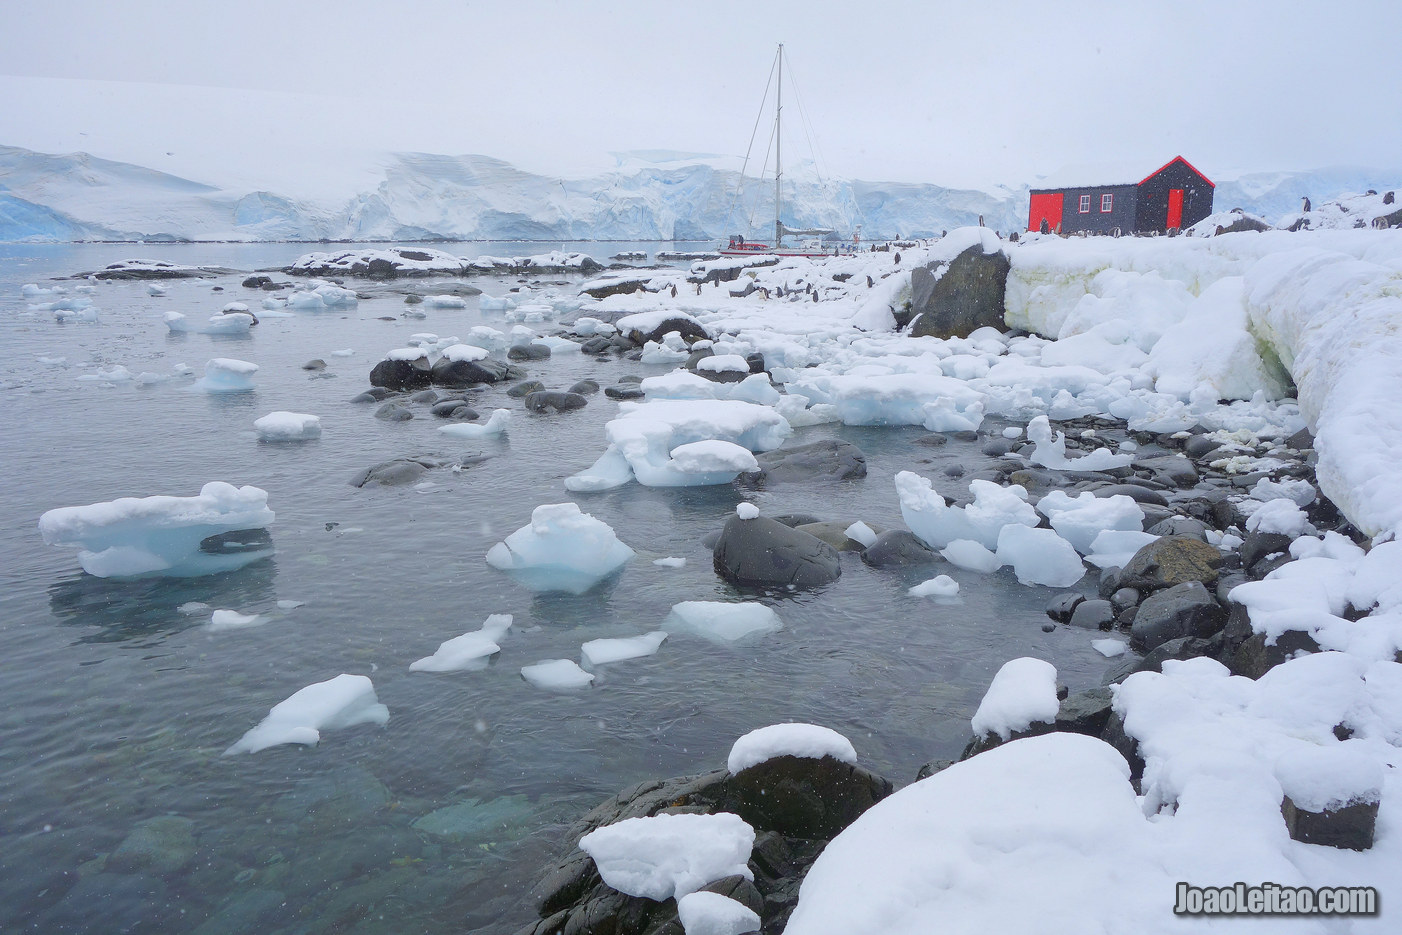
[
  {"x": 1085, "y": 204},
  {"x": 1107, "y": 204}
]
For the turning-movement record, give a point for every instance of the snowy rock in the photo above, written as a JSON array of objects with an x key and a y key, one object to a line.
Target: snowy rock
[
  {"x": 1331, "y": 796},
  {"x": 563, "y": 549},
  {"x": 162, "y": 535},
  {"x": 1022, "y": 693},
  {"x": 801, "y": 740},
  {"x": 954, "y": 298},
  {"x": 667, "y": 856},
  {"x": 287, "y": 427},
  {"x": 343, "y": 701}
]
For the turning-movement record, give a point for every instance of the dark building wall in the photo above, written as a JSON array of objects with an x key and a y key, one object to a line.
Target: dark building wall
[
  {"x": 1121, "y": 215},
  {"x": 1152, "y": 212}
]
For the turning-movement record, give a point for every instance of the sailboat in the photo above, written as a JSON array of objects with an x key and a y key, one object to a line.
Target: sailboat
[{"x": 814, "y": 247}]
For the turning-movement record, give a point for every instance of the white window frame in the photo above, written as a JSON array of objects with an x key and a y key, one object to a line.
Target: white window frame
[
  {"x": 1107, "y": 203},
  {"x": 1084, "y": 206}
]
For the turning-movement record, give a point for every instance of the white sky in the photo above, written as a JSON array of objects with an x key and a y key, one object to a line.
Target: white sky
[{"x": 956, "y": 93}]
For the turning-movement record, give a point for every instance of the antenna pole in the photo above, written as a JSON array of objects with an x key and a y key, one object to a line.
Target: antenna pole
[{"x": 778, "y": 140}]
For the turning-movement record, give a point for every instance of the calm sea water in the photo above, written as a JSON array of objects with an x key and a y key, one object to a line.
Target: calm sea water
[{"x": 118, "y": 706}]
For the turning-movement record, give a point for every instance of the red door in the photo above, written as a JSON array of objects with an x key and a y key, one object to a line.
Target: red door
[
  {"x": 1045, "y": 207},
  {"x": 1175, "y": 208}
]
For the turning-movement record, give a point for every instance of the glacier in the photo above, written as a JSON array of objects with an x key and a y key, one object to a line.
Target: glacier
[{"x": 57, "y": 198}]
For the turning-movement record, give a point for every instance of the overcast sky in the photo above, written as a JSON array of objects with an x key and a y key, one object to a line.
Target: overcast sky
[{"x": 946, "y": 92}]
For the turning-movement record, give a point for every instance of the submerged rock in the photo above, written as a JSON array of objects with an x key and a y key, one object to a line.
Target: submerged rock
[
  {"x": 400, "y": 471},
  {"x": 830, "y": 459}
]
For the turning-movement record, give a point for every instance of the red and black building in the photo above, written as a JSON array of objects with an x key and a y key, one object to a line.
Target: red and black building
[{"x": 1175, "y": 196}]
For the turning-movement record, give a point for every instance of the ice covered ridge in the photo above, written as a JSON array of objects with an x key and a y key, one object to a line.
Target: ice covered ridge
[{"x": 177, "y": 536}]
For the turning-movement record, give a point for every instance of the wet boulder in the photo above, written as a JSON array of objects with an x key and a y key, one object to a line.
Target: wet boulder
[
  {"x": 898, "y": 547},
  {"x": 830, "y": 459},
  {"x": 458, "y": 373},
  {"x": 552, "y": 401},
  {"x": 397, "y": 374},
  {"x": 805, "y": 797},
  {"x": 1187, "y": 609},
  {"x": 766, "y": 553}
]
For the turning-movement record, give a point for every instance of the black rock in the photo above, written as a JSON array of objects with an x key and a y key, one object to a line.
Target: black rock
[
  {"x": 1186, "y": 609},
  {"x": 444, "y": 408},
  {"x": 460, "y": 373},
  {"x": 756, "y": 362},
  {"x": 1200, "y": 446},
  {"x": 626, "y": 391},
  {"x": 1170, "y": 469},
  {"x": 585, "y": 388},
  {"x": 794, "y": 520},
  {"x": 1180, "y": 526},
  {"x": 830, "y": 459},
  {"x": 955, "y": 298},
  {"x": 525, "y": 388},
  {"x": 315, "y": 364},
  {"x": 393, "y": 412},
  {"x": 598, "y": 344},
  {"x": 1135, "y": 492},
  {"x": 898, "y": 547},
  {"x": 425, "y": 396},
  {"x": 548, "y": 400},
  {"x": 1257, "y": 545},
  {"x": 400, "y": 471},
  {"x": 1085, "y": 712},
  {"x": 257, "y": 282},
  {"x": 373, "y": 395},
  {"x": 1093, "y": 615},
  {"x": 402, "y": 374},
  {"x": 687, "y": 328},
  {"x": 763, "y": 552},
  {"x": 805, "y": 797},
  {"x": 1169, "y": 561},
  {"x": 528, "y": 352},
  {"x": 1124, "y": 598},
  {"x": 1063, "y": 605},
  {"x": 1349, "y": 826},
  {"x": 1253, "y": 658}
]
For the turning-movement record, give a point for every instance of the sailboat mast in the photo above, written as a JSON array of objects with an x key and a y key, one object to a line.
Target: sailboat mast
[{"x": 778, "y": 141}]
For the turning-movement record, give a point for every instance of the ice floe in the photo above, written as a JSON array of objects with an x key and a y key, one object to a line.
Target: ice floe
[
  {"x": 344, "y": 701},
  {"x": 562, "y": 549}
]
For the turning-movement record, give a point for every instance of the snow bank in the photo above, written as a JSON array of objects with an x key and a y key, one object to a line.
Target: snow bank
[
  {"x": 162, "y": 535},
  {"x": 343, "y": 701}
]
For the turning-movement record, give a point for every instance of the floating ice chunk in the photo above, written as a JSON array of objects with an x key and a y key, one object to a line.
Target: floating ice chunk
[
  {"x": 492, "y": 303},
  {"x": 941, "y": 586},
  {"x": 563, "y": 549},
  {"x": 721, "y": 622},
  {"x": 1113, "y": 548},
  {"x": 227, "y": 375},
  {"x": 647, "y": 434},
  {"x": 966, "y": 553},
  {"x": 1080, "y": 519},
  {"x": 53, "y": 361},
  {"x": 586, "y": 326},
  {"x": 939, "y": 403},
  {"x": 444, "y": 301},
  {"x": 177, "y": 536},
  {"x": 668, "y": 856},
  {"x": 601, "y": 651},
  {"x": 306, "y": 302},
  {"x": 810, "y": 741},
  {"x": 938, "y": 524},
  {"x": 344, "y": 701},
  {"x": 233, "y": 620},
  {"x": 746, "y": 510},
  {"x": 115, "y": 374},
  {"x": 1012, "y": 431},
  {"x": 861, "y": 532},
  {"x": 75, "y": 312},
  {"x": 556, "y": 675},
  {"x": 1051, "y": 452},
  {"x": 344, "y": 352},
  {"x": 1109, "y": 648},
  {"x": 469, "y": 651},
  {"x": 706, "y": 913},
  {"x": 289, "y": 605},
  {"x": 193, "y": 607},
  {"x": 610, "y": 471},
  {"x": 1039, "y": 556},
  {"x": 495, "y": 425},
  {"x": 1021, "y": 694},
  {"x": 283, "y": 426},
  {"x": 655, "y": 353},
  {"x": 669, "y": 562},
  {"x": 235, "y": 307},
  {"x": 557, "y": 344}
]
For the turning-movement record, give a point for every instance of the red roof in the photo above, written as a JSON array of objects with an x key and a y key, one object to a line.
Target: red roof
[{"x": 1171, "y": 162}]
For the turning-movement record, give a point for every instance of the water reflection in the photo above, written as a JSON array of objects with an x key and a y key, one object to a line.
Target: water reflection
[{"x": 122, "y": 609}]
